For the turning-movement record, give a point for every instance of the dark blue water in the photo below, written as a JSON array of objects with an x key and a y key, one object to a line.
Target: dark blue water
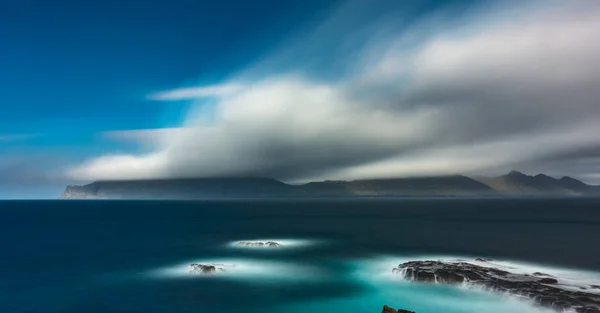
[{"x": 130, "y": 256}]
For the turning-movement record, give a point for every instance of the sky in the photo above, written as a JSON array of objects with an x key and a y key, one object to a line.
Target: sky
[{"x": 295, "y": 90}]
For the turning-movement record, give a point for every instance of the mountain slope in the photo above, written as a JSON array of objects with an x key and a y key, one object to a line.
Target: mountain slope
[
  {"x": 205, "y": 188},
  {"x": 231, "y": 188},
  {"x": 517, "y": 183},
  {"x": 512, "y": 184}
]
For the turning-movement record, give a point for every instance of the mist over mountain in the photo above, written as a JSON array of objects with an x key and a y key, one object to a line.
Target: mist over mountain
[{"x": 512, "y": 184}]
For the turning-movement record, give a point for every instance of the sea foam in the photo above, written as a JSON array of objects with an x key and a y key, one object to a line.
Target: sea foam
[
  {"x": 284, "y": 243},
  {"x": 376, "y": 274},
  {"x": 256, "y": 270}
]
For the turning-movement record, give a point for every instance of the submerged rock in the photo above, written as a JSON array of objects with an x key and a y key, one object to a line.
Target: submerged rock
[
  {"x": 197, "y": 268},
  {"x": 536, "y": 289},
  {"x": 269, "y": 244},
  {"x": 387, "y": 309}
]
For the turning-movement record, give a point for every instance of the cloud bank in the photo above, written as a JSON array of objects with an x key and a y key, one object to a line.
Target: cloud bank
[{"x": 501, "y": 89}]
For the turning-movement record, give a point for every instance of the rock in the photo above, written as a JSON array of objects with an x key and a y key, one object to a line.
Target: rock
[
  {"x": 541, "y": 274},
  {"x": 197, "y": 268},
  {"x": 387, "y": 309},
  {"x": 498, "y": 280},
  {"x": 270, "y": 244},
  {"x": 483, "y": 260}
]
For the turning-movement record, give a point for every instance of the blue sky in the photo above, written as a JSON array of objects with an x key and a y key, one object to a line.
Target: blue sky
[
  {"x": 72, "y": 72},
  {"x": 87, "y": 66},
  {"x": 71, "y": 69}
]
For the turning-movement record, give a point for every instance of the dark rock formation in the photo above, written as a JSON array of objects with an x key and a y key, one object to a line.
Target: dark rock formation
[
  {"x": 197, "y": 268},
  {"x": 387, "y": 309},
  {"x": 541, "y": 274},
  {"x": 268, "y": 244},
  {"x": 543, "y": 291},
  {"x": 548, "y": 281}
]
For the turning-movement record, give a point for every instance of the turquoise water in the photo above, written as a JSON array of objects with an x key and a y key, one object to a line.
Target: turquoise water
[
  {"x": 372, "y": 278},
  {"x": 117, "y": 257}
]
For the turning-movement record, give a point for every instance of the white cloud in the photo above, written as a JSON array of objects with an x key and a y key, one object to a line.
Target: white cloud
[
  {"x": 122, "y": 167},
  {"x": 478, "y": 96},
  {"x": 197, "y": 92},
  {"x": 469, "y": 158}
]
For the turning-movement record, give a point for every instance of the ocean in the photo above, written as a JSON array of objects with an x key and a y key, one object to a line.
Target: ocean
[{"x": 337, "y": 255}]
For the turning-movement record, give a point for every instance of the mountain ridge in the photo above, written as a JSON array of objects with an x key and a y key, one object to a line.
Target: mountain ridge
[
  {"x": 517, "y": 183},
  {"x": 512, "y": 184}
]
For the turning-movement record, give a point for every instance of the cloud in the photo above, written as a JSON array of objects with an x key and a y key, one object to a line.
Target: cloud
[
  {"x": 197, "y": 92},
  {"x": 149, "y": 137},
  {"x": 122, "y": 167},
  {"x": 509, "y": 151},
  {"x": 273, "y": 128},
  {"x": 495, "y": 91}
]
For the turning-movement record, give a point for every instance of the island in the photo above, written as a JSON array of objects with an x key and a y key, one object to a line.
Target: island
[{"x": 512, "y": 184}]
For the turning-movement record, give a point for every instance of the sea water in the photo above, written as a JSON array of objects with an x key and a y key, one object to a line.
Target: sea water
[{"x": 337, "y": 255}]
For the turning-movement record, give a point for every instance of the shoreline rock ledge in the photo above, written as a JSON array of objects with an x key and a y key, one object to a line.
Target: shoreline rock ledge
[{"x": 543, "y": 289}]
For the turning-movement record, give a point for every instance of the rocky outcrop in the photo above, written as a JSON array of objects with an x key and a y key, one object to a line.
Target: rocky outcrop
[
  {"x": 260, "y": 244},
  {"x": 540, "y": 288},
  {"x": 197, "y": 268},
  {"x": 387, "y": 309}
]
